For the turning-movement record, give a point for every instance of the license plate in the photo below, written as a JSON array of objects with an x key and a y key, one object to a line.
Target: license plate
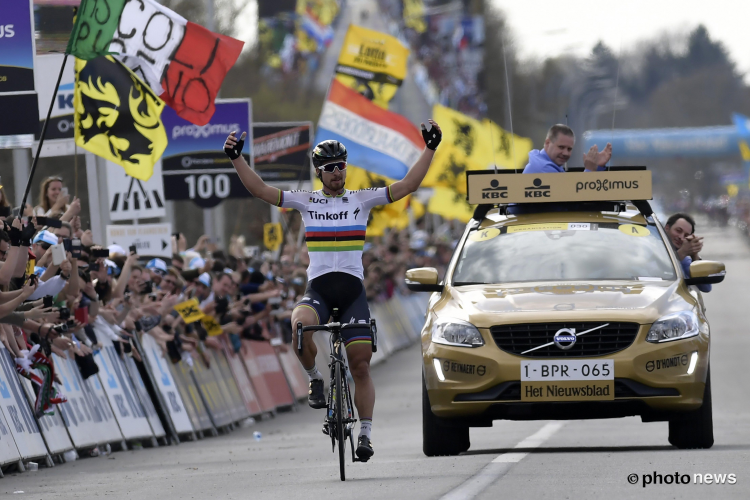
[{"x": 569, "y": 380}]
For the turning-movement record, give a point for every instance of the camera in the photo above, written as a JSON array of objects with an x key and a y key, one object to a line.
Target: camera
[
  {"x": 75, "y": 248},
  {"x": 148, "y": 288},
  {"x": 64, "y": 313},
  {"x": 62, "y": 328},
  {"x": 47, "y": 300},
  {"x": 94, "y": 267},
  {"x": 100, "y": 252}
]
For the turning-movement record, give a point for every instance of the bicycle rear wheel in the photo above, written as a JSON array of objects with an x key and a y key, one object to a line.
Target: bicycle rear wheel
[{"x": 340, "y": 433}]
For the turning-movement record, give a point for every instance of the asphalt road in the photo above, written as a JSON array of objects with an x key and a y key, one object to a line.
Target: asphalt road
[{"x": 575, "y": 459}]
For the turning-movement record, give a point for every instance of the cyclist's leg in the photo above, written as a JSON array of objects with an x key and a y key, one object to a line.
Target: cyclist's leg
[
  {"x": 358, "y": 343},
  {"x": 310, "y": 310}
]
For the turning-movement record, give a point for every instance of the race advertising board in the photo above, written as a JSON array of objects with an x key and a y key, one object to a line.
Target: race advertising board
[
  {"x": 152, "y": 240},
  {"x": 487, "y": 187},
  {"x": 280, "y": 151},
  {"x": 61, "y": 125},
  {"x": 194, "y": 165},
  {"x": 16, "y": 47},
  {"x": 17, "y": 95}
]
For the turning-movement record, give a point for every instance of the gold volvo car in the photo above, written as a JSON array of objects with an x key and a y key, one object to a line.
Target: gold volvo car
[{"x": 562, "y": 301}]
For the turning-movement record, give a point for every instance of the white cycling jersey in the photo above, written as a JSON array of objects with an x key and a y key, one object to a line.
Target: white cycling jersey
[{"x": 335, "y": 226}]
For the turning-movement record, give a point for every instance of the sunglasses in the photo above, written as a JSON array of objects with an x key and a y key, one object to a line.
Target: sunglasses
[{"x": 331, "y": 167}]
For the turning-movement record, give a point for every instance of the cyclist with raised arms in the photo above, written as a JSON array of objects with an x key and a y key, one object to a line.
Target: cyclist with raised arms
[{"x": 335, "y": 225}]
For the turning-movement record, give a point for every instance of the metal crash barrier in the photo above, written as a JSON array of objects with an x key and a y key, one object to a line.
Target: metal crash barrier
[{"x": 152, "y": 400}]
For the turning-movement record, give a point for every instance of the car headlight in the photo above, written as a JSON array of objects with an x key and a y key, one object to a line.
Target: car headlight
[
  {"x": 457, "y": 333},
  {"x": 679, "y": 325}
]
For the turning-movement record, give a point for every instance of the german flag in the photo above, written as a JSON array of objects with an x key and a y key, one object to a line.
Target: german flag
[{"x": 335, "y": 239}]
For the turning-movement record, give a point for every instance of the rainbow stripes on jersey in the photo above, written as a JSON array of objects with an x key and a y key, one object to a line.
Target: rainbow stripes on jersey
[{"x": 335, "y": 239}]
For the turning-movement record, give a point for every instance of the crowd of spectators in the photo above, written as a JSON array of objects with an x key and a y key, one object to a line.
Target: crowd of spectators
[
  {"x": 449, "y": 46},
  {"x": 57, "y": 284}
]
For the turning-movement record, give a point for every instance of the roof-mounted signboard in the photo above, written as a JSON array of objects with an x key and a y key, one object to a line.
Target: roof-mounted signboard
[{"x": 503, "y": 187}]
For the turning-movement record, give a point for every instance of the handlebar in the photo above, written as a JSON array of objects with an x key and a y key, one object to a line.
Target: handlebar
[
  {"x": 330, "y": 326},
  {"x": 335, "y": 325}
]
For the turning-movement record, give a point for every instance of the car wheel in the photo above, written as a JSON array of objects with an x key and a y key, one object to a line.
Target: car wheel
[
  {"x": 440, "y": 438},
  {"x": 694, "y": 429}
]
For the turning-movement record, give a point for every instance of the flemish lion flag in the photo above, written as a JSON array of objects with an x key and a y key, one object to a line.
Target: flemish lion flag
[
  {"x": 184, "y": 63},
  {"x": 117, "y": 116}
]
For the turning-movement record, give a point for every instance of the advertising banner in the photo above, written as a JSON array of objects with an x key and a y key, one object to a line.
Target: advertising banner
[
  {"x": 58, "y": 140},
  {"x": 16, "y": 47},
  {"x": 17, "y": 96},
  {"x": 140, "y": 389},
  {"x": 15, "y": 407},
  {"x": 280, "y": 151},
  {"x": 196, "y": 410},
  {"x": 52, "y": 426},
  {"x": 85, "y": 416},
  {"x": 122, "y": 397},
  {"x": 166, "y": 384},
  {"x": 194, "y": 165},
  {"x": 153, "y": 240},
  {"x": 243, "y": 379},
  {"x": 372, "y": 63}
]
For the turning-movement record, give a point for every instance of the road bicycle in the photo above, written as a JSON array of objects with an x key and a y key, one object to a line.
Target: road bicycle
[{"x": 340, "y": 419}]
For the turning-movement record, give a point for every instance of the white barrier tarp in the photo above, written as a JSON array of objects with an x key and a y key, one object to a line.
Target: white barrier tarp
[
  {"x": 88, "y": 418},
  {"x": 166, "y": 384},
  {"x": 148, "y": 405},
  {"x": 53, "y": 428},
  {"x": 21, "y": 421},
  {"x": 125, "y": 404},
  {"x": 8, "y": 450}
]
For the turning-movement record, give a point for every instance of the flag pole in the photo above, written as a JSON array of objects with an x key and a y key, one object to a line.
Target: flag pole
[{"x": 41, "y": 139}]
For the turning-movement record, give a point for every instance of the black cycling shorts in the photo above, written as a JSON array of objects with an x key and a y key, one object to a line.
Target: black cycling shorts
[{"x": 346, "y": 292}]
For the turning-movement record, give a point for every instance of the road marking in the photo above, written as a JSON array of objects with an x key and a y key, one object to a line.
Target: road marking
[{"x": 501, "y": 465}]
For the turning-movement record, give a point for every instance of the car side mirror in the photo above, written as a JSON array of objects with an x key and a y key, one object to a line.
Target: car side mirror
[
  {"x": 423, "y": 279},
  {"x": 706, "y": 272}
]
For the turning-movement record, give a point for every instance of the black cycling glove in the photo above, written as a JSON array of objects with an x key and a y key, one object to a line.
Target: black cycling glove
[
  {"x": 235, "y": 152},
  {"x": 431, "y": 137},
  {"x": 15, "y": 236},
  {"x": 27, "y": 232}
]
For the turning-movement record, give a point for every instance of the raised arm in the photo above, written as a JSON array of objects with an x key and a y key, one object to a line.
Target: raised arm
[
  {"x": 416, "y": 173},
  {"x": 251, "y": 180}
]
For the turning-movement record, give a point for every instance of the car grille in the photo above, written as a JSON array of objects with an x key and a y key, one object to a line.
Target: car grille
[{"x": 515, "y": 339}]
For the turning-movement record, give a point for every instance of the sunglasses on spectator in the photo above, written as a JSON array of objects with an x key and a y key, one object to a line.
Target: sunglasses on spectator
[{"x": 331, "y": 167}]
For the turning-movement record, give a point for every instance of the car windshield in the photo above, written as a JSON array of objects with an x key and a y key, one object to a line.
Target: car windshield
[{"x": 563, "y": 251}]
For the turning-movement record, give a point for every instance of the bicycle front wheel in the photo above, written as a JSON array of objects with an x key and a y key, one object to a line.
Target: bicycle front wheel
[{"x": 340, "y": 432}]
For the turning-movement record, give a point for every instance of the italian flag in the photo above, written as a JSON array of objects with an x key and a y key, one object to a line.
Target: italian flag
[{"x": 184, "y": 63}]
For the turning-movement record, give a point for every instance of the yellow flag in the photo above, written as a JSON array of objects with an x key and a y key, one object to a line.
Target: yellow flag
[
  {"x": 511, "y": 151},
  {"x": 189, "y": 310},
  {"x": 450, "y": 204},
  {"x": 745, "y": 151},
  {"x": 468, "y": 144},
  {"x": 372, "y": 63},
  {"x": 117, "y": 116},
  {"x": 213, "y": 328},
  {"x": 414, "y": 15},
  {"x": 272, "y": 235},
  {"x": 383, "y": 216}
]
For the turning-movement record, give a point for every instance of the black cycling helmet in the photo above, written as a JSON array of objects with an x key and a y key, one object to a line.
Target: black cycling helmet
[{"x": 327, "y": 152}]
